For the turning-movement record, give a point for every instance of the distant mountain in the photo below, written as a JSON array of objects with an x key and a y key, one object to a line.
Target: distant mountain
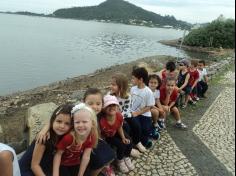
[
  {"x": 121, "y": 11},
  {"x": 25, "y": 13}
]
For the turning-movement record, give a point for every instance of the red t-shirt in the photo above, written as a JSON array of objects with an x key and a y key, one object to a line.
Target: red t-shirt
[
  {"x": 194, "y": 75},
  {"x": 108, "y": 130},
  {"x": 173, "y": 96},
  {"x": 73, "y": 153}
]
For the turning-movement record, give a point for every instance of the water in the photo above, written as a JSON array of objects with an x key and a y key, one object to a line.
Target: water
[{"x": 36, "y": 51}]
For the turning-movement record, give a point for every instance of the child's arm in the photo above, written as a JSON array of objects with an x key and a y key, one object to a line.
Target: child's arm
[
  {"x": 196, "y": 77},
  {"x": 185, "y": 82},
  {"x": 142, "y": 111},
  {"x": 84, "y": 162},
  {"x": 43, "y": 135},
  {"x": 36, "y": 159},
  {"x": 57, "y": 162},
  {"x": 206, "y": 79},
  {"x": 159, "y": 105},
  {"x": 122, "y": 135}
]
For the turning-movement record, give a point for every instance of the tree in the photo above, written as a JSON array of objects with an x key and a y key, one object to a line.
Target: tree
[{"x": 219, "y": 33}]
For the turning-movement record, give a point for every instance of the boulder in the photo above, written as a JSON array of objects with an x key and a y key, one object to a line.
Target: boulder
[{"x": 37, "y": 117}]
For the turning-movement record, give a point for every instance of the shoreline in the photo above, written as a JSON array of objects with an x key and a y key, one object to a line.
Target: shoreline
[{"x": 213, "y": 52}]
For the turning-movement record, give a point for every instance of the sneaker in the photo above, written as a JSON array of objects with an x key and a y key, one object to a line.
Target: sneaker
[
  {"x": 108, "y": 171},
  {"x": 161, "y": 124},
  {"x": 184, "y": 106},
  {"x": 155, "y": 134},
  {"x": 148, "y": 144},
  {"x": 196, "y": 98},
  {"x": 192, "y": 102},
  {"x": 122, "y": 166},
  {"x": 181, "y": 126},
  {"x": 141, "y": 148},
  {"x": 129, "y": 164},
  {"x": 135, "y": 153}
]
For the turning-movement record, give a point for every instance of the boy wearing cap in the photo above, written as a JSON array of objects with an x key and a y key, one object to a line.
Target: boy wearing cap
[
  {"x": 182, "y": 81},
  {"x": 111, "y": 123}
]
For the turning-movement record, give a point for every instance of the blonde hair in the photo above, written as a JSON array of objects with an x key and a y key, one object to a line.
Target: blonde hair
[
  {"x": 94, "y": 130},
  {"x": 122, "y": 83}
]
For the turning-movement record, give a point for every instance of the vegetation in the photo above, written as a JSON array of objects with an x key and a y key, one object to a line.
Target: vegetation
[
  {"x": 122, "y": 12},
  {"x": 219, "y": 33}
]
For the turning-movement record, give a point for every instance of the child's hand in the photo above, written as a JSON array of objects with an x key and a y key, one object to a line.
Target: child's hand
[
  {"x": 134, "y": 114},
  {"x": 41, "y": 137},
  {"x": 126, "y": 141}
]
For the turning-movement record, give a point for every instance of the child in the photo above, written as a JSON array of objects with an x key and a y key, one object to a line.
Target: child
[
  {"x": 193, "y": 80},
  {"x": 38, "y": 158},
  {"x": 202, "y": 85},
  {"x": 74, "y": 149},
  {"x": 168, "y": 97},
  {"x": 142, "y": 101},
  {"x": 111, "y": 129},
  {"x": 158, "y": 114},
  {"x": 103, "y": 154},
  {"x": 182, "y": 82},
  {"x": 119, "y": 88},
  {"x": 168, "y": 72},
  {"x": 8, "y": 161}
]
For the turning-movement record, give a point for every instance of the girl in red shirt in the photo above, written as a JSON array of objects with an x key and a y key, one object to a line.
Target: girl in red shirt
[
  {"x": 73, "y": 151},
  {"x": 111, "y": 123},
  {"x": 168, "y": 97}
]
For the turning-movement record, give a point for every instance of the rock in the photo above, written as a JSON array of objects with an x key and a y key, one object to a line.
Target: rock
[
  {"x": 1, "y": 131},
  {"x": 37, "y": 116}
]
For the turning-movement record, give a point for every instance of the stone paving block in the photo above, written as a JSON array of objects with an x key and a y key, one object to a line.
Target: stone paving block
[
  {"x": 163, "y": 159},
  {"x": 217, "y": 128}
]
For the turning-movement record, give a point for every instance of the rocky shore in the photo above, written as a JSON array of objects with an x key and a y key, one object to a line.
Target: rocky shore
[
  {"x": 13, "y": 108},
  {"x": 213, "y": 52}
]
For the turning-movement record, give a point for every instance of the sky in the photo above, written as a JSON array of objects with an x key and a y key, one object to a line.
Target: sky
[{"x": 193, "y": 11}]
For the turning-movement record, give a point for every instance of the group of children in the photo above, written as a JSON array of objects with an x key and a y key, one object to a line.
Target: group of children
[{"x": 87, "y": 138}]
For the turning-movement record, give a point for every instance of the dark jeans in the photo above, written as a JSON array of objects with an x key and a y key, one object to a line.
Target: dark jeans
[
  {"x": 146, "y": 127},
  {"x": 122, "y": 150},
  {"x": 134, "y": 129},
  {"x": 202, "y": 87},
  {"x": 69, "y": 170}
]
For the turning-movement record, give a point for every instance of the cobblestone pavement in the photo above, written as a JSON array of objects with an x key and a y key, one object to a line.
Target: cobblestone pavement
[
  {"x": 217, "y": 128},
  {"x": 164, "y": 158}
]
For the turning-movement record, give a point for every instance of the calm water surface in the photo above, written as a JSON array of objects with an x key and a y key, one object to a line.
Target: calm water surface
[{"x": 36, "y": 51}]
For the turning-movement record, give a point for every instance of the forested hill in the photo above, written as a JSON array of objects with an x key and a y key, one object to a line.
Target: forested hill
[{"x": 121, "y": 11}]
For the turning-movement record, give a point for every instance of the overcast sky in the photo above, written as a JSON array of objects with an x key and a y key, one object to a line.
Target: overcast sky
[{"x": 193, "y": 11}]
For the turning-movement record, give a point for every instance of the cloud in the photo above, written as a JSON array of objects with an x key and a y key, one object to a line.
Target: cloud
[{"x": 187, "y": 10}]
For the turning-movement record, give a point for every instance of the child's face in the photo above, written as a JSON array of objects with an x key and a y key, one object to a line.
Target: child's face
[
  {"x": 135, "y": 81},
  {"x": 114, "y": 87},
  {"x": 82, "y": 123},
  {"x": 182, "y": 66},
  {"x": 200, "y": 66},
  {"x": 111, "y": 110},
  {"x": 170, "y": 85},
  {"x": 153, "y": 84},
  {"x": 62, "y": 124},
  {"x": 94, "y": 101}
]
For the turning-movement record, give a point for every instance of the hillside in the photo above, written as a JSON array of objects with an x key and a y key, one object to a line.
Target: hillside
[{"x": 120, "y": 11}]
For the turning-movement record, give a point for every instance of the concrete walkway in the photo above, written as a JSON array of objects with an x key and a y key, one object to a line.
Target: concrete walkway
[{"x": 207, "y": 148}]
